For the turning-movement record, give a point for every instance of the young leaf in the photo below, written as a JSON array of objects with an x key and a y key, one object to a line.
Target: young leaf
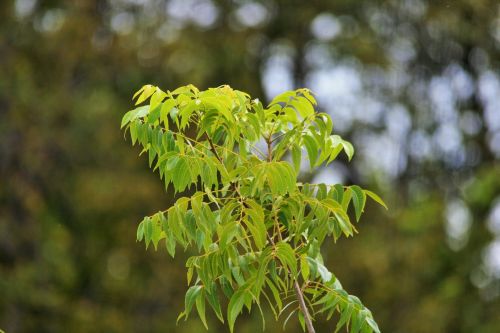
[
  {"x": 140, "y": 231},
  {"x": 348, "y": 148},
  {"x": 146, "y": 92},
  {"x": 376, "y": 198}
]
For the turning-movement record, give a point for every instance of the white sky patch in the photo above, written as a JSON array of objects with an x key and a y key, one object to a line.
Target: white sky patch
[
  {"x": 448, "y": 138},
  {"x": 398, "y": 122},
  {"x": 494, "y": 218},
  {"x": 277, "y": 72},
  {"x": 334, "y": 173},
  {"x": 24, "y": 8},
  {"x": 369, "y": 111},
  {"x": 458, "y": 223},
  {"x": 325, "y": 27},
  {"x": 494, "y": 143},
  {"x": 489, "y": 90},
  {"x": 402, "y": 50},
  {"x": 317, "y": 55},
  {"x": 252, "y": 14},
  {"x": 420, "y": 146},
  {"x": 381, "y": 152},
  {"x": 462, "y": 84},
  {"x": 123, "y": 23},
  {"x": 355, "y": 94},
  {"x": 338, "y": 90},
  {"x": 51, "y": 21},
  {"x": 203, "y": 13},
  {"x": 491, "y": 258},
  {"x": 443, "y": 100}
]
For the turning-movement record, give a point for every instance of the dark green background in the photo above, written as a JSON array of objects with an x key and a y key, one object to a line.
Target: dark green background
[{"x": 414, "y": 84}]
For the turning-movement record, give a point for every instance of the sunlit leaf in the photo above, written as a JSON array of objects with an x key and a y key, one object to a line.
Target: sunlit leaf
[{"x": 253, "y": 231}]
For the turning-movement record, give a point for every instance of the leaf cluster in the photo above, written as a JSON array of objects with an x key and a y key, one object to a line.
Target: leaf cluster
[{"x": 255, "y": 229}]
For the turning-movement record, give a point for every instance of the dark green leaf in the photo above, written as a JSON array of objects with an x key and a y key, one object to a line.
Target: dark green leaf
[{"x": 359, "y": 200}]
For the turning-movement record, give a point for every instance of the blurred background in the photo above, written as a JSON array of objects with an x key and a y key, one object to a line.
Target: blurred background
[{"x": 414, "y": 84}]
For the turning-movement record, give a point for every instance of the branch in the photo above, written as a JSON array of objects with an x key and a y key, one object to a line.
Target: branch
[
  {"x": 303, "y": 307},
  {"x": 269, "y": 149},
  {"x": 234, "y": 186},
  {"x": 213, "y": 148}
]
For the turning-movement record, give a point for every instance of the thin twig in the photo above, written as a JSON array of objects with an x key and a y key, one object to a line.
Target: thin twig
[{"x": 303, "y": 307}]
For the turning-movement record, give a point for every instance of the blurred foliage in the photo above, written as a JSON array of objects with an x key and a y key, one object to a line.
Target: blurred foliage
[{"x": 72, "y": 192}]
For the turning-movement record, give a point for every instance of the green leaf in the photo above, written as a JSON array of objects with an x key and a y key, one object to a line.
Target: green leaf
[
  {"x": 373, "y": 324},
  {"x": 286, "y": 255},
  {"x": 156, "y": 232},
  {"x": 170, "y": 244},
  {"x": 357, "y": 320},
  {"x": 176, "y": 222},
  {"x": 166, "y": 107},
  {"x": 301, "y": 321},
  {"x": 157, "y": 98},
  {"x": 276, "y": 294},
  {"x": 359, "y": 200},
  {"x": 186, "y": 112},
  {"x": 333, "y": 206},
  {"x": 376, "y": 198},
  {"x": 191, "y": 295},
  {"x": 227, "y": 233},
  {"x": 138, "y": 92},
  {"x": 307, "y": 94},
  {"x": 319, "y": 269},
  {"x": 235, "y": 306},
  {"x": 338, "y": 193},
  {"x": 140, "y": 231},
  {"x": 345, "y": 316},
  {"x": 213, "y": 300},
  {"x": 296, "y": 157},
  {"x": 200, "y": 307},
  {"x": 214, "y": 103},
  {"x": 312, "y": 149},
  {"x": 339, "y": 212},
  {"x": 347, "y": 146},
  {"x": 148, "y": 230},
  {"x": 348, "y": 149},
  {"x": 256, "y": 226},
  {"x": 279, "y": 175},
  {"x": 304, "y": 267},
  {"x": 146, "y": 92},
  {"x": 134, "y": 114},
  {"x": 288, "y": 317},
  {"x": 325, "y": 274},
  {"x": 181, "y": 176},
  {"x": 304, "y": 107},
  {"x": 283, "y": 97}
]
